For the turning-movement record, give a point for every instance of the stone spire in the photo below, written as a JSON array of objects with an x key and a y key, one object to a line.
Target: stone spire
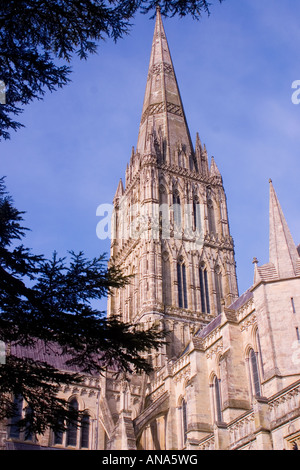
[
  {"x": 120, "y": 191},
  {"x": 163, "y": 110},
  {"x": 283, "y": 251},
  {"x": 214, "y": 170}
]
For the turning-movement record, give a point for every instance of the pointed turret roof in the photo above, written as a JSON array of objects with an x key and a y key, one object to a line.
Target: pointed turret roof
[
  {"x": 214, "y": 170},
  {"x": 284, "y": 260},
  {"x": 283, "y": 251},
  {"x": 120, "y": 190},
  {"x": 163, "y": 109}
]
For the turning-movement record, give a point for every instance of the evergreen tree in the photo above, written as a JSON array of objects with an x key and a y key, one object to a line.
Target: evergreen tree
[
  {"x": 50, "y": 304},
  {"x": 36, "y": 35}
]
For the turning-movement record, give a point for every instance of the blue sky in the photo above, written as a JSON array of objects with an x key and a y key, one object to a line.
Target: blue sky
[{"x": 235, "y": 71}]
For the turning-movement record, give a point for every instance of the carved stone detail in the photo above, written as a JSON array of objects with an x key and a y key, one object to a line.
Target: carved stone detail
[{"x": 161, "y": 107}]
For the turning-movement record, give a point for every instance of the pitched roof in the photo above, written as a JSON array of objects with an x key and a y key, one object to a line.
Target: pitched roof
[
  {"x": 236, "y": 305},
  {"x": 209, "y": 328},
  {"x": 50, "y": 353},
  {"x": 242, "y": 300}
]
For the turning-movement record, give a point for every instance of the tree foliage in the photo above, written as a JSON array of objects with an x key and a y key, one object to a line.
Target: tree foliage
[
  {"x": 52, "y": 304},
  {"x": 39, "y": 38}
]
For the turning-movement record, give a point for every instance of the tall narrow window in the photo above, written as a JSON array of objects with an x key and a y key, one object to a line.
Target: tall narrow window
[
  {"x": 206, "y": 291},
  {"x": 255, "y": 373},
  {"x": 217, "y": 398},
  {"x": 166, "y": 280},
  {"x": 135, "y": 292},
  {"x": 211, "y": 217},
  {"x": 72, "y": 428},
  {"x": 85, "y": 431},
  {"x": 204, "y": 294},
  {"x": 164, "y": 216},
  {"x": 28, "y": 416},
  {"x": 259, "y": 352},
  {"x": 179, "y": 280},
  {"x": 58, "y": 437},
  {"x": 185, "y": 302},
  {"x": 182, "y": 286},
  {"x": 177, "y": 211},
  {"x": 219, "y": 290},
  {"x": 14, "y": 430},
  {"x": 196, "y": 215},
  {"x": 184, "y": 420}
]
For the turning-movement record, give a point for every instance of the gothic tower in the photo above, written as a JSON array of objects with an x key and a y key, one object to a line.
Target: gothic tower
[{"x": 170, "y": 227}]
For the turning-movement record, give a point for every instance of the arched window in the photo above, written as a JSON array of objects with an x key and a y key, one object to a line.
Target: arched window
[
  {"x": 177, "y": 210},
  {"x": 182, "y": 286},
  {"x": 211, "y": 216},
  {"x": 77, "y": 431},
  {"x": 217, "y": 399},
  {"x": 134, "y": 293},
  {"x": 196, "y": 215},
  {"x": 219, "y": 290},
  {"x": 85, "y": 431},
  {"x": 204, "y": 293},
  {"x": 259, "y": 352},
  {"x": 184, "y": 420},
  {"x": 166, "y": 279},
  {"x": 72, "y": 427},
  {"x": 254, "y": 373},
  {"x": 164, "y": 216}
]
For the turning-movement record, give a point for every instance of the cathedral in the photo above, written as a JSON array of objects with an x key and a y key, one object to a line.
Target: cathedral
[{"x": 228, "y": 377}]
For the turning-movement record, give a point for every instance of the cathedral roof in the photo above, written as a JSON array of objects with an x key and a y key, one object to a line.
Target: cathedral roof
[
  {"x": 209, "y": 328},
  {"x": 242, "y": 300},
  {"x": 236, "y": 305},
  {"x": 49, "y": 353}
]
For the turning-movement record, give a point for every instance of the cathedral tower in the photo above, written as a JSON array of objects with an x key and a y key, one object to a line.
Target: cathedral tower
[{"x": 170, "y": 227}]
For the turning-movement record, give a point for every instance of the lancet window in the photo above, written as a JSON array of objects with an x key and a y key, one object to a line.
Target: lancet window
[
  {"x": 217, "y": 399},
  {"x": 254, "y": 373},
  {"x": 219, "y": 289},
  {"x": 182, "y": 285},
  {"x": 196, "y": 214},
  {"x": 177, "y": 210},
  {"x": 204, "y": 292},
  {"x": 210, "y": 213}
]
